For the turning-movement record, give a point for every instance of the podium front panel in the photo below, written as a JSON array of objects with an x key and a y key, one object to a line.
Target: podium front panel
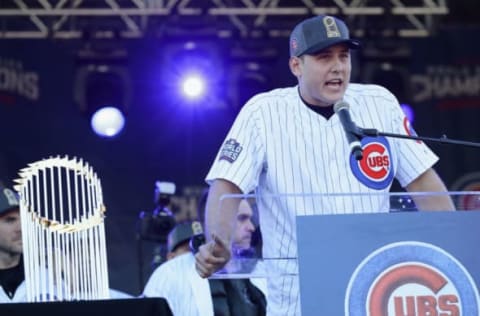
[{"x": 412, "y": 263}]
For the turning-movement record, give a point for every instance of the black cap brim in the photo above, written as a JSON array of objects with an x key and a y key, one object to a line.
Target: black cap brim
[{"x": 352, "y": 44}]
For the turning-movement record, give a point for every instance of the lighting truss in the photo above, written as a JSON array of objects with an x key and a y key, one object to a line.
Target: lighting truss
[{"x": 69, "y": 19}]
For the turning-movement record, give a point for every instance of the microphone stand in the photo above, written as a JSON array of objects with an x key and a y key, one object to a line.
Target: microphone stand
[{"x": 363, "y": 132}]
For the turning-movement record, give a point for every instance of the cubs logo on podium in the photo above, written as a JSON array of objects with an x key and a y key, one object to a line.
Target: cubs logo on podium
[{"x": 411, "y": 279}]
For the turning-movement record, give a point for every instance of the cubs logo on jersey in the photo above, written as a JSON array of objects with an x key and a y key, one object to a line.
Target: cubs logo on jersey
[
  {"x": 411, "y": 278},
  {"x": 375, "y": 170}
]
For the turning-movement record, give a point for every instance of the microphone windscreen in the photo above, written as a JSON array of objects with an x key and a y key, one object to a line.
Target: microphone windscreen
[{"x": 340, "y": 105}]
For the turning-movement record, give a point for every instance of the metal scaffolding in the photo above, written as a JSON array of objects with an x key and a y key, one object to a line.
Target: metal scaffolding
[{"x": 69, "y": 19}]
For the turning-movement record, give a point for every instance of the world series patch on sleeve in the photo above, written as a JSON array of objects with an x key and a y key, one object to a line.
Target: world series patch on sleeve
[{"x": 230, "y": 150}]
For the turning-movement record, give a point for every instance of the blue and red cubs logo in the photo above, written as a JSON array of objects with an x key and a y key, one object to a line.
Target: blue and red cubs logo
[
  {"x": 411, "y": 279},
  {"x": 375, "y": 169}
]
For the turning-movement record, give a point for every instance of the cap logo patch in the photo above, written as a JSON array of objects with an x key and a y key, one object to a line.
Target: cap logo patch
[
  {"x": 294, "y": 44},
  {"x": 11, "y": 198},
  {"x": 331, "y": 27},
  {"x": 230, "y": 150},
  {"x": 197, "y": 228}
]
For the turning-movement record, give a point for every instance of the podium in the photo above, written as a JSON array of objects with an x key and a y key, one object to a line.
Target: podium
[
  {"x": 361, "y": 259},
  {"x": 421, "y": 263}
]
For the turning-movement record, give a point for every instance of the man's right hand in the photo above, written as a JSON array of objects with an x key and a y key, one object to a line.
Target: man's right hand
[{"x": 212, "y": 256}]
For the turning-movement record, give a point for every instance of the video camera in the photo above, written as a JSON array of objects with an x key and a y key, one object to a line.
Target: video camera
[{"x": 155, "y": 225}]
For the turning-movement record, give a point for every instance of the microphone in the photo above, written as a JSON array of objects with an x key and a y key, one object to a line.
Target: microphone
[{"x": 341, "y": 108}]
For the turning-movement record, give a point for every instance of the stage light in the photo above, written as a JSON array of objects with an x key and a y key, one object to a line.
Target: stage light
[
  {"x": 193, "y": 86},
  {"x": 193, "y": 74},
  {"x": 108, "y": 121},
  {"x": 103, "y": 91}
]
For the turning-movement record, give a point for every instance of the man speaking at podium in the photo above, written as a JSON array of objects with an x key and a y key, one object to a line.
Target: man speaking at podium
[{"x": 291, "y": 141}]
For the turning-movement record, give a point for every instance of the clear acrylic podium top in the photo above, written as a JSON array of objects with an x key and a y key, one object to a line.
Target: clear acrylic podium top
[{"x": 274, "y": 252}]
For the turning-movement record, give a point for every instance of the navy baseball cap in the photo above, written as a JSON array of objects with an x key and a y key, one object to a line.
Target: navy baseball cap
[
  {"x": 8, "y": 200},
  {"x": 183, "y": 232},
  {"x": 315, "y": 34}
]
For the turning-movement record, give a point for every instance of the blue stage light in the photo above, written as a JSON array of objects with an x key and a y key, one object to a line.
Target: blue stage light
[
  {"x": 192, "y": 75},
  {"x": 193, "y": 86}
]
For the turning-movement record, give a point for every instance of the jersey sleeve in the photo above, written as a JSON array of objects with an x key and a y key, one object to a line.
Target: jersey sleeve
[
  {"x": 414, "y": 156},
  {"x": 241, "y": 157}
]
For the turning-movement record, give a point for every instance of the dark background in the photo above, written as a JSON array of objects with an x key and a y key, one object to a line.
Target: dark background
[{"x": 169, "y": 140}]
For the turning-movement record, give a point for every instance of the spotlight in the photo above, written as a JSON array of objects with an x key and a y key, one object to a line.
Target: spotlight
[
  {"x": 107, "y": 121},
  {"x": 193, "y": 74},
  {"x": 193, "y": 86},
  {"x": 103, "y": 92}
]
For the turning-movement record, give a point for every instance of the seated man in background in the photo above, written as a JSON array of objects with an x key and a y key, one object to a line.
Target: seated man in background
[
  {"x": 188, "y": 294},
  {"x": 246, "y": 242},
  {"x": 12, "y": 277}
]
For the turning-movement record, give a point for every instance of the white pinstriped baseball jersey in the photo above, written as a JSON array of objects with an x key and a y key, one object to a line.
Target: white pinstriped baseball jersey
[{"x": 278, "y": 145}]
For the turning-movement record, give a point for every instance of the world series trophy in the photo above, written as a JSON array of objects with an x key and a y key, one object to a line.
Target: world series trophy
[{"x": 63, "y": 233}]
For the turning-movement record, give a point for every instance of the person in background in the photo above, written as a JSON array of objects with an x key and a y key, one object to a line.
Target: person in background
[
  {"x": 187, "y": 293},
  {"x": 12, "y": 277},
  {"x": 242, "y": 239}
]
